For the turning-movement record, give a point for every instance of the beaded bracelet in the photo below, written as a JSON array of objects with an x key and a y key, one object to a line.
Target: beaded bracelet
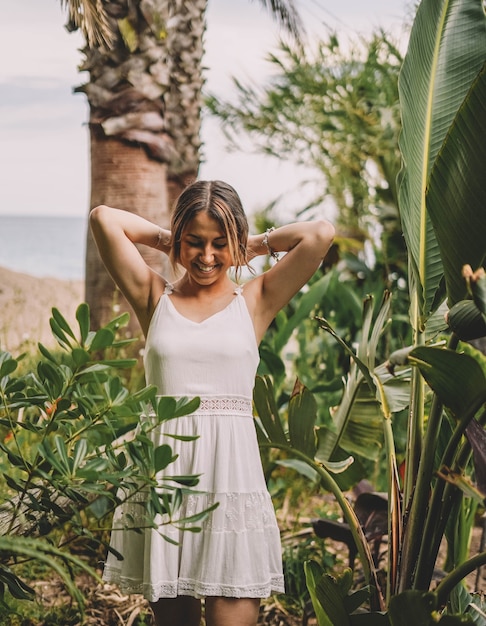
[{"x": 265, "y": 243}]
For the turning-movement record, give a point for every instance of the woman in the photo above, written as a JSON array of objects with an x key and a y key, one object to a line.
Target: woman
[{"x": 202, "y": 335}]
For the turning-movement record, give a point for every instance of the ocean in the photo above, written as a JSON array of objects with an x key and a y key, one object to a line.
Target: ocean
[{"x": 44, "y": 246}]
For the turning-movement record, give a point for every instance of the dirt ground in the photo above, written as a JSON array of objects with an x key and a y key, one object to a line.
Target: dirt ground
[
  {"x": 25, "y": 308},
  {"x": 107, "y": 606}
]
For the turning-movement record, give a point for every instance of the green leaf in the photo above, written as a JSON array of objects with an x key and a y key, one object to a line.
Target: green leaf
[
  {"x": 103, "y": 338},
  {"x": 80, "y": 357},
  {"x": 456, "y": 378},
  {"x": 313, "y": 574},
  {"x": 184, "y": 406},
  {"x": 163, "y": 457},
  {"x": 327, "y": 595},
  {"x": 307, "y": 303},
  {"x": 166, "y": 407},
  {"x": 302, "y": 419},
  {"x": 56, "y": 559},
  {"x": 7, "y": 365},
  {"x": 273, "y": 363},
  {"x": 119, "y": 363},
  {"x": 61, "y": 321},
  {"x": 46, "y": 353},
  {"x": 62, "y": 451},
  {"x": 338, "y": 467},
  {"x": 266, "y": 407},
  {"x": 447, "y": 48},
  {"x": 303, "y": 468},
  {"x": 455, "y": 196},
  {"x": 58, "y": 333},
  {"x": 80, "y": 452},
  {"x": 419, "y": 607},
  {"x": 82, "y": 315},
  {"x": 16, "y": 586},
  {"x": 118, "y": 322}
]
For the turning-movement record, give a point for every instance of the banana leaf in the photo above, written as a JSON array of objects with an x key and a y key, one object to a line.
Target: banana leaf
[
  {"x": 455, "y": 198},
  {"x": 446, "y": 51},
  {"x": 457, "y": 379}
]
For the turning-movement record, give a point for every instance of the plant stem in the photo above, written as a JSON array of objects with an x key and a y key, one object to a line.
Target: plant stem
[
  {"x": 441, "y": 502},
  {"x": 413, "y": 456},
  {"x": 452, "y": 579},
  {"x": 349, "y": 515},
  {"x": 394, "y": 512}
]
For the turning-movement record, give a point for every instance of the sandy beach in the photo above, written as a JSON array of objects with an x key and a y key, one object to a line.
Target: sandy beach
[{"x": 25, "y": 308}]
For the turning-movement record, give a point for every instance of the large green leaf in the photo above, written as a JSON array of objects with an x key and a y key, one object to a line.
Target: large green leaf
[
  {"x": 267, "y": 410},
  {"x": 446, "y": 51},
  {"x": 327, "y": 595},
  {"x": 302, "y": 419},
  {"x": 306, "y": 304},
  {"x": 456, "y": 378},
  {"x": 456, "y": 194}
]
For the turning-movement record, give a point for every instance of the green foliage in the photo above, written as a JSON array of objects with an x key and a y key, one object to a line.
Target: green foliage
[
  {"x": 75, "y": 443},
  {"x": 315, "y": 102},
  {"x": 447, "y": 390}
]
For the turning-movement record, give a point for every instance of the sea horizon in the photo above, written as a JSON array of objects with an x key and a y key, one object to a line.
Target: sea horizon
[{"x": 44, "y": 246}]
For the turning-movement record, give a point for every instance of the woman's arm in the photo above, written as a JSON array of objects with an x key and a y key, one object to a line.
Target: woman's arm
[
  {"x": 116, "y": 233},
  {"x": 304, "y": 246}
]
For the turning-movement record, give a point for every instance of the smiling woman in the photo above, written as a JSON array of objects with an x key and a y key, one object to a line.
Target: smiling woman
[{"x": 202, "y": 335}]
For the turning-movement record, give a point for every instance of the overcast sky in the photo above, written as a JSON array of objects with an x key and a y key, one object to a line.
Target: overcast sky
[{"x": 43, "y": 135}]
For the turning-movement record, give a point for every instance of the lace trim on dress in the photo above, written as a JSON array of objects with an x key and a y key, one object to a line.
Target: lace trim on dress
[
  {"x": 224, "y": 405},
  {"x": 193, "y": 588}
]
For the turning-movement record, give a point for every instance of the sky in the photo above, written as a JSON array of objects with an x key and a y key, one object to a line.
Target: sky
[{"x": 44, "y": 150}]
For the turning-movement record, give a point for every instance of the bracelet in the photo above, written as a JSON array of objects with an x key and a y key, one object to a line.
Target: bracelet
[
  {"x": 265, "y": 243},
  {"x": 159, "y": 238}
]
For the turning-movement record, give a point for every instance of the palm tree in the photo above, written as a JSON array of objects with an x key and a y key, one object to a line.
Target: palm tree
[{"x": 144, "y": 60}]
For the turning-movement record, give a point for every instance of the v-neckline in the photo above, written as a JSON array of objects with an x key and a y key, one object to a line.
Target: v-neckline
[{"x": 237, "y": 292}]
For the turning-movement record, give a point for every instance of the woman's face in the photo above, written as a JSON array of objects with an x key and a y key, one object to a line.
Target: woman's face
[{"x": 204, "y": 251}]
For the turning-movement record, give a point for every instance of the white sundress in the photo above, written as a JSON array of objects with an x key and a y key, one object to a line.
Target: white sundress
[{"x": 238, "y": 552}]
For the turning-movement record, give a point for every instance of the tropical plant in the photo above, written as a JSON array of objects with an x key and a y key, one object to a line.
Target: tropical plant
[
  {"x": 73, "y": 447},
  {"x": 441, "y": 196},
  {"x": 334, "y": 110},
  {"x": 144, "y": 96}
]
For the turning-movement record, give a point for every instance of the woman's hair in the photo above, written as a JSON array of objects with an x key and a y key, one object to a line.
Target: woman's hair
[{"x": 222, "y": 203}]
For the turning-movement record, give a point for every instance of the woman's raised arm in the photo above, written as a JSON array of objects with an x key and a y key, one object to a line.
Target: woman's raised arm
[
  {"x": 116, "y": 233},
  {"x": 303, "y": 246}
]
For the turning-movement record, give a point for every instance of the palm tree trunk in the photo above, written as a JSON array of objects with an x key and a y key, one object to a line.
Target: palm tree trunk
[
  {"x": 145, "y": 99},
  {"x": 122, "y": 175},
  {"x": 144, "y": 94}
]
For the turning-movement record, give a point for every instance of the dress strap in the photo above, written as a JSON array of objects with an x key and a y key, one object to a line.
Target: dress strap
[{"x": 238, "y": 291}]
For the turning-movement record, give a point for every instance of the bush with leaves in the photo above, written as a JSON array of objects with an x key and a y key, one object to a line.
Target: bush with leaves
[{"x": 75, "y": 443}]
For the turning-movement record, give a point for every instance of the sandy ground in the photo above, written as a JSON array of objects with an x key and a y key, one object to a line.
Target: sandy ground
[{"x": 25, "y": 308}]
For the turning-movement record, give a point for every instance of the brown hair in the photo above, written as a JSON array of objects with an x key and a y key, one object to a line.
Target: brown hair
[{"x": 222, "y": 203}]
